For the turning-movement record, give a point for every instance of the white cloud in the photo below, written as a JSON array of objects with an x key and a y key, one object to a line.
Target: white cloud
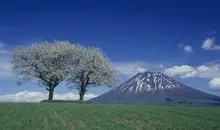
[
  {"x": 179, "y": 70},
  {"x": 216, "y": 47},
  {"x": 203, "y": 68},
  {"x": 27, "y": 96},
  {"x": 209, "y": 44},
  {"x": 141, "y": 70},
  {"x": 202, "y": 71},
  {"x": 131, "y": 68},
  {"x": 190, "y": 74},
  {"x": 211, "y": 71},
  {"x": 215, "y": 83},
  {"x": 188, "y": 48}
]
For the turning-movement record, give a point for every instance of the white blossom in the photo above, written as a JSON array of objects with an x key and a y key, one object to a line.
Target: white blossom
[{"x": 46, "y": 62}]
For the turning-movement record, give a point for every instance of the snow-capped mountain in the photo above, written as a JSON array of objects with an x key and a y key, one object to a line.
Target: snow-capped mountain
[
  {"x": 149, "y": 82},
  {"x": 156, "y": 88}
]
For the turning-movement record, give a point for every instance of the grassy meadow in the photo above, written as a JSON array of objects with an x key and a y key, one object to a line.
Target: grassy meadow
[{"x": 75, "y": 116}]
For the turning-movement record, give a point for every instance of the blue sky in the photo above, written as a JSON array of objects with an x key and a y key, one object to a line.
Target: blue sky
[{"x": 179, "y": 39}]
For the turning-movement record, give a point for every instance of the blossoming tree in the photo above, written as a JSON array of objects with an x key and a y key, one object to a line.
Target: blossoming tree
[
  {"x": 93, "y": 69},
  {"x": 48, "y": 63}
]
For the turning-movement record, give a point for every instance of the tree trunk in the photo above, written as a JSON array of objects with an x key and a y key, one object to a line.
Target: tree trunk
[
  {"x": 51, "y": 94},
  {"x": 82, "y": 93}
]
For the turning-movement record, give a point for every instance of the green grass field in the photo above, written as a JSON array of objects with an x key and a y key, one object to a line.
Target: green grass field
[{"x": 73, "y": 116}]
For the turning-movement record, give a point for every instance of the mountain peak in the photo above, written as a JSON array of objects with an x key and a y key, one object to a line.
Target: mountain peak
[
  {"x": 149, "y": 81},
  {"x": 150, "y": 73}
]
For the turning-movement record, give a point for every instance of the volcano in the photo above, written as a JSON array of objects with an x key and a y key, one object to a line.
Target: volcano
[{"x": 156, "y": 89}]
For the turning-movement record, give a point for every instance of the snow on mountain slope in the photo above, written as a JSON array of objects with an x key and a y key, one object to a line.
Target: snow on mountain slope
[{"x": 149, "y": 81}]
